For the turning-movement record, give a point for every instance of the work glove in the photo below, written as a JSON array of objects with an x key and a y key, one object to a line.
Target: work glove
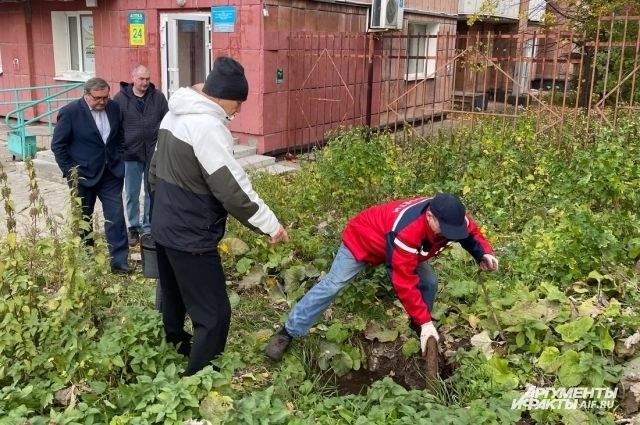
[
  {"x": 427, "y": 331},
  {"x": 489, "y": 263}
]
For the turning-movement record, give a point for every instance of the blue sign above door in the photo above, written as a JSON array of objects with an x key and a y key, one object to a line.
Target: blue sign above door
[{"x": 223, "y": 18}]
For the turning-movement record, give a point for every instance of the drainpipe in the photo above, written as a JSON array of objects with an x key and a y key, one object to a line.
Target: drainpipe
[
  {"x": 29, "y": 40},
  {"x": 369, "y": 81}
]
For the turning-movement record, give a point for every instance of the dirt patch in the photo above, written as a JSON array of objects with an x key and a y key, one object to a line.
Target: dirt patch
[{"x": 386, "y": 359}]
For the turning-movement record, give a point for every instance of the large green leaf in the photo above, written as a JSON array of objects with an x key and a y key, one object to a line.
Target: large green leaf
[
  {"x": 550, "y": 359},
  {"x": 573, "y": 331},
  {"x": 569, "y": 374},
  {"x": 243, "y": 265},
  {"x": 605, "y": 340},
  {"x": 411, "y": 347},
  {"x": 552, "y": 292},
  {"x": 327, "y": 351},
  {"x": 341, "y": 363},
  {"x": 292, "y": 277},
  {"x": 500, "y": 374},
  {"x": 575, "y": 417},
  {"x": 355, "y": 354},
  {"x": 337, "y": 333},
  {"x": 234, "y": 299}
]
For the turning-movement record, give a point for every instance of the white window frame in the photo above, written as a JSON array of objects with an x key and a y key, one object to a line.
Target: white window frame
[
  {"x": 1, "y": 60},
  {"x": 62, "y": 46},
  {"x": 430, "y": 49}
]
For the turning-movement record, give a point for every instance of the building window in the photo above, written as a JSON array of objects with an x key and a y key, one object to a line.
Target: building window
[
  {"x": 422, "y": 49},
  {"x": 0, "y": 61},
  {"x": 73, "y": 46}
]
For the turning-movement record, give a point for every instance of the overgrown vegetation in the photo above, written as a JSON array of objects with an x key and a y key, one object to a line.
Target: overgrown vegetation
[{"x": 78, "y": 345}]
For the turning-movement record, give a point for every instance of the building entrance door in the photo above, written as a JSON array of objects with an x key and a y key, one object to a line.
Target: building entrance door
[{"x": 185, "y": 49}]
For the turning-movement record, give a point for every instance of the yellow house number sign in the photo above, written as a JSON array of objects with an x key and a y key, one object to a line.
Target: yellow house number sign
[{"x": 136, "y": 29}]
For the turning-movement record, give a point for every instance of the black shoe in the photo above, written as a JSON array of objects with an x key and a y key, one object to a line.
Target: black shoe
[
  {"x": 123, "y": 269},
  {"x": 134, "y": 237},
  {"x": 278, "y": 344}
]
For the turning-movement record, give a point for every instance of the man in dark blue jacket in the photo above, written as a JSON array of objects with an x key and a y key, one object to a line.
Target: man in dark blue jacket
[
  {"x": 142, "y": 108},
  {"x": 88, "y": 135}
]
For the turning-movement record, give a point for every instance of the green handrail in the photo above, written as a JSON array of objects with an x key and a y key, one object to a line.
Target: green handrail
[{"x": 22, "y": 105}]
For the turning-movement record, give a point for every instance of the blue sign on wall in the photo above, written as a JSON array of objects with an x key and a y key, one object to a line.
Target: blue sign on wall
[{"x": 224, "y": 18}]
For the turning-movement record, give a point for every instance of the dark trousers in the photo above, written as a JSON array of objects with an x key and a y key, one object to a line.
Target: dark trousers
[
  {"x": 109, "y": 191},
  {"x": 194, "y": 284}
]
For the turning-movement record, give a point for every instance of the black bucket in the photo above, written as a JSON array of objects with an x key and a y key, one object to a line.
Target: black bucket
[{"x": 149, "y": 258}]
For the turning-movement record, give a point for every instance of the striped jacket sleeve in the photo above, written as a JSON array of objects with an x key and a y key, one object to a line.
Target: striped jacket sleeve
[
  {"x": 228, "y": 181},
  {"x": 402, "y": 261},
  {"x": 475, "y": 244}
]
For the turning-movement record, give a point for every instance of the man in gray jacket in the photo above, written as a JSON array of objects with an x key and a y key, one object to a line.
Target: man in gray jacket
[
  {"x": 142, "y": 108},
  {"x": 197, "y": 182}
]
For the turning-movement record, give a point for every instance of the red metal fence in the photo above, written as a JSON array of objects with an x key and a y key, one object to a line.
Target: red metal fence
[{"x": 421, "y": 83}]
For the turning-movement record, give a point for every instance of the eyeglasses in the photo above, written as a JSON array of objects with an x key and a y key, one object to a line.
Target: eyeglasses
[{"x": 99, "y": 99}]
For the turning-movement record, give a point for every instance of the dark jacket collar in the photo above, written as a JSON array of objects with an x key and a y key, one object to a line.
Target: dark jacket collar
[{"x": 127, "y": 89}]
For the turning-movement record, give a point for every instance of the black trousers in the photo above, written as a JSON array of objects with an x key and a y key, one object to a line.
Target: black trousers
[
  {"x": 194, "y": 284},
  {"x": 109, "y": 191}
]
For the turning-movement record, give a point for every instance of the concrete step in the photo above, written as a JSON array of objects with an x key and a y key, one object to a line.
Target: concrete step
[
  {"x": 254, "y": 162},
  {"x": 43, "y": 142},
  {"x": 5, "y": 155},
  {"x": 45, "y": 169},
  {"x": 46, "y": 156},
  {"x": 241, "y": 151}
]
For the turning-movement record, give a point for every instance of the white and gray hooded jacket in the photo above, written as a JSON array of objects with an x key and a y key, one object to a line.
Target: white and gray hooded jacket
[{"x": 196, "y": 180}]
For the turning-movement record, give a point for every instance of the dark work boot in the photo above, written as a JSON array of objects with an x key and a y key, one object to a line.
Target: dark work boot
[
  {"x": 134, "y": 237},
  {"x": 278, "y": 344}
]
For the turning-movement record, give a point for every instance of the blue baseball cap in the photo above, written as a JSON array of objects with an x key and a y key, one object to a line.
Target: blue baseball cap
[{"x": 450, "y": 213}]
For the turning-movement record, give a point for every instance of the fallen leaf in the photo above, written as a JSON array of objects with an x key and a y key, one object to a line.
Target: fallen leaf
[
  {"x": 590, "y": 308},
  {"x": 375, "y": 330},
  {"x": 622, "y": 351},
  {"x": 251, "y": 280},
  {"x": 632, "y": 340},
  {"x": 483, "y": 341},
  {"x": 328, "y": 315},
  {"x": 635, "y": 389},
  {"x": 235, "y": 246},
  {"x": 473, "y": 321}
]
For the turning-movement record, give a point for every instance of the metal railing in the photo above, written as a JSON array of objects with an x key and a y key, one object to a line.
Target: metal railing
[{"x": 16, "y": 120}]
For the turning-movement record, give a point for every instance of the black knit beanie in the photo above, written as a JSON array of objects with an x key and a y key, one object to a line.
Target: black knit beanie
[{"x": 226, "y": 80}]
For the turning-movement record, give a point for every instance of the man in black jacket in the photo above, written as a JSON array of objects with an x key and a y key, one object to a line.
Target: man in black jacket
[{"x": 143, "y": 108}]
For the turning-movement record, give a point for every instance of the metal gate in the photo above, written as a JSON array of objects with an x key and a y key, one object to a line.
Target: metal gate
[
  {"x": 414, "y": 85},
  {"x": 329, "y": 85}
]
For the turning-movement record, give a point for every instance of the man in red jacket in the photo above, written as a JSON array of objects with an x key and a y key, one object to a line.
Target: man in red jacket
[{"x": 402, "y": 235}]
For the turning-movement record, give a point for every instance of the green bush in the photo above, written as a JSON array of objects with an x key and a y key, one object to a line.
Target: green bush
[{"x": 78, "y": 345}]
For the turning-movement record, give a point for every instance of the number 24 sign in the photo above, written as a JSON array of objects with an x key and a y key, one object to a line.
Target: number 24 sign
[{"x": 136, "y": 29}]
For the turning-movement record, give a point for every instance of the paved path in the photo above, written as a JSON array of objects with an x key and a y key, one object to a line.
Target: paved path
[{"x": 55, "y": 195}]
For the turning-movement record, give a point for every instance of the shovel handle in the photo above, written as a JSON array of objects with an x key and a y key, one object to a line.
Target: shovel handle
[{"x": 431, "y": 365}]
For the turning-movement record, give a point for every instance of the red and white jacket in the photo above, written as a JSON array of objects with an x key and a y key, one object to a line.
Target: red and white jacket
[{"x": 398, "y": 235}]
